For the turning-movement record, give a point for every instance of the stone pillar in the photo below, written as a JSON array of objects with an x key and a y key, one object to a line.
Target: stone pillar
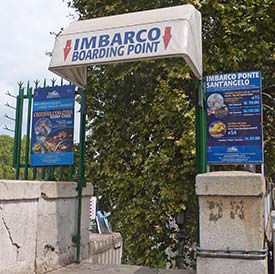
[
  {"x": 57, "y": 225},
  {"x": 231, "y": 223}
]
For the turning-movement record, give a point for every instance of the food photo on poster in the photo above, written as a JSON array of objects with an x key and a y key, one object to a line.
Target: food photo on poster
[
  {"x": 53, "y": 126},
  {"x": 234, "y": 118}
]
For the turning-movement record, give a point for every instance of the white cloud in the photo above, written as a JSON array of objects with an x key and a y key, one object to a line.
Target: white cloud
[{"x": 25, "y": 28}]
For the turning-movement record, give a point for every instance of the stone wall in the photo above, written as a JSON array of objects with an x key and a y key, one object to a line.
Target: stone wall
[{"x": 37, "y": 223}]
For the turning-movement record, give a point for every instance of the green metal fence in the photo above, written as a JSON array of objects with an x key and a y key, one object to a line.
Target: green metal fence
[{"x": 21, "y": 159}]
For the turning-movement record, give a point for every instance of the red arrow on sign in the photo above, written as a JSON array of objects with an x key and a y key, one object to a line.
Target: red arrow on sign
[
  {"x": 67, "y": 49},
  {"x": 167, "y": 37}
]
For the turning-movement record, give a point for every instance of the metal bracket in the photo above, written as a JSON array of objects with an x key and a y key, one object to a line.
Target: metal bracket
[
  {"x": 200, "y": 95},
  {"x": 74, "y": 239}
]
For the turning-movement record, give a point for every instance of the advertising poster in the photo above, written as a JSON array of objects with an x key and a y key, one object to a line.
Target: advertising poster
[
  {"x": 234, "y": 118},
  {"x": 53, "y": 126}
]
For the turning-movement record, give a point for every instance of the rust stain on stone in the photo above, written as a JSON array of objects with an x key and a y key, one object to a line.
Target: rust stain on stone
[
  {"x": 237, "y": 209},
  {"x": 216, "y": 210}
]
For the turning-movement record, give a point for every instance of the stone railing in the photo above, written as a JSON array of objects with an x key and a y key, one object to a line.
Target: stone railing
[{"x": 105, "y": 249}]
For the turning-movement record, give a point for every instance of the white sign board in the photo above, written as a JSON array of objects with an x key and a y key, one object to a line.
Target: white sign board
[{"x": 166, "y": 32}]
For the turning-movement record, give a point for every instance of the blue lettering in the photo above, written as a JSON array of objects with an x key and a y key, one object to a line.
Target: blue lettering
[
  {"x": 102, "y": 53},
  {"x": 154, "y": 34},
  {"x": 104, "y": 46},
  {"x": 87, "y": 44},
  {"x": 107, "y": 52},
  {"x": 113, "y": 52},
  {"x": 117, "y": 51},
  {"x": 121, "y": 50},
  {"x": 150, "y": 47},
  {"x": 116, "y": 39},
  {"x": 81, "y": 56},
  {"x": 95, "y": 54},
  {"x": 128, "y": 37},
  {"x": 75, "y": 56},
  {"x": 89, "y": 55},
  {"x": 138, "y": 36},
  {"x": 130, "y": 49},
  {"x": 144, "y": 46},
  {"x": 104, "y": 40},
  {"x": 156, "y": 46},
  {"x": 76, "y": 44},
  {"x": 138, "y": 48}
]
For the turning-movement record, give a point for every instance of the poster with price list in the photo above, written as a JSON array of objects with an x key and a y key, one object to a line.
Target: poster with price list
[{"x": 234, "y": 118}]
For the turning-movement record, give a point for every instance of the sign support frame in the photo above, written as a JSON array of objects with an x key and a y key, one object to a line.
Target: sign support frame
[
  {"x": 81, "y": 170},
  {"x": 186, "y": 23},
  {"x": 201, "y": 162}
]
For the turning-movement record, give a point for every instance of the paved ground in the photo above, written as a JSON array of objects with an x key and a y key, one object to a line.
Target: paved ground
[{"x": 87, "y": 268}]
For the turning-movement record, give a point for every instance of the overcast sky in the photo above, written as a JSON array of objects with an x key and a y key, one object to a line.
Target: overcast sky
[{"x": 25, "y": 28}]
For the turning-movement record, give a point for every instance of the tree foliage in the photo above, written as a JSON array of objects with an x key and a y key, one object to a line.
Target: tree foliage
[
  {"x": 141, "y": 119},
  {"x": 6, "y": 156},
  {"x": 142, "y": 146}
]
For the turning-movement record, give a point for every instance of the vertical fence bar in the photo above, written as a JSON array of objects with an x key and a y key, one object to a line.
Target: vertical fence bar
[
  {"x": 61, "y": 173},
  {"x": 19, "y": 133},
  {"x": 70, "y": 173},
  {"x": 43, "y": 173},
  {"x": 51, "y": 175},
  {"x": 15, "y": 143},
  {"x": 201, "y": 162},
  {"x": 27, "y": 151},
  {"x": 34, "y": 174},
  {"x": 81, "y": 171},
  {"x": 82, "y": 138}
]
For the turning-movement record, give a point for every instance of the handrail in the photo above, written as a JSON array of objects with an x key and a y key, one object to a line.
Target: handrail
[{"x": 259, "y": 254}]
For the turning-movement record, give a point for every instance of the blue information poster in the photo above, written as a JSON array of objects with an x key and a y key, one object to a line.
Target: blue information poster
[
  {"x": 53, "y": 126},
  {"x": 234, "y": 118}
]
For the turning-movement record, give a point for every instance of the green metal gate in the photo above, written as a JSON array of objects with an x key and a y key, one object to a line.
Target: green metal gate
[{"x": 76, "y": 172}]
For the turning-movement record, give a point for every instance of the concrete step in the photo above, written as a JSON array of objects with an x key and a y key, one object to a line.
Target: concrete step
[{"x": 88, "y": 268}]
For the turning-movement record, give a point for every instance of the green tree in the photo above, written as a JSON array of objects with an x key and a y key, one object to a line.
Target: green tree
[
  {"x": 6, "y": 156},
  {"x": 141, "y": 116},
  {"x": 142, "y": 143}
]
